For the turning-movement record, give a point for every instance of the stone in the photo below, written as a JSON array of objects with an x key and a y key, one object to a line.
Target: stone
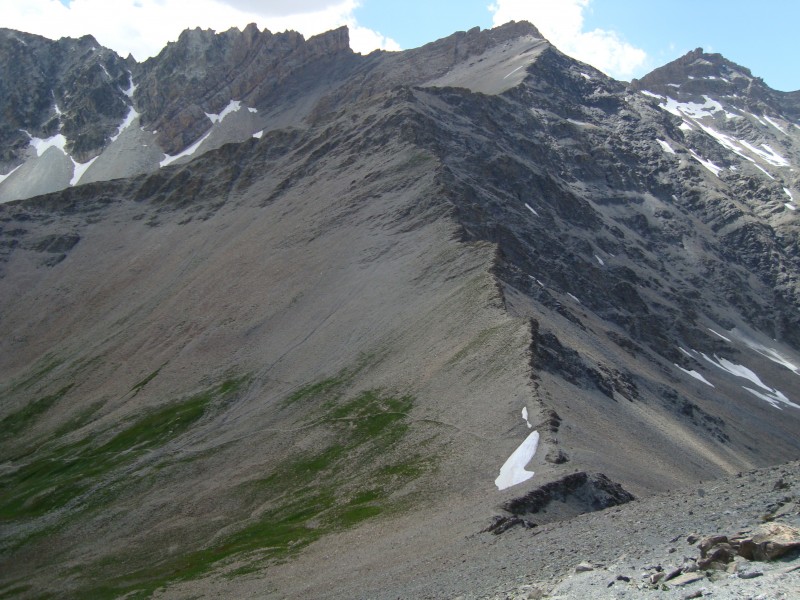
[
  {"x": 656, "y": 577},
  {"x": 750, "y": 574},
  {"x": 707, "y": 543},
  {"x": 771, "y": 541},
  {"x": 673, "y": 574},
  {"x": 717, "y": 557},
  {"x": 584, "y": 568},
  {"x": 687, "y": 578}
]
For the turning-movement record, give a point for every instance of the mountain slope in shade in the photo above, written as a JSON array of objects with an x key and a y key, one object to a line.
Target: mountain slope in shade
[{"x": 334, "y": 335}]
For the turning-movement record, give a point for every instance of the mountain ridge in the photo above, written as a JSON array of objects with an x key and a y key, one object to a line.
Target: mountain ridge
[{"x": 351, "y": 320}]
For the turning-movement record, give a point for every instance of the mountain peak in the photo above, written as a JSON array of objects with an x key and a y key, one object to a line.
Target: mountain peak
[{"x": 699, "y": 69}]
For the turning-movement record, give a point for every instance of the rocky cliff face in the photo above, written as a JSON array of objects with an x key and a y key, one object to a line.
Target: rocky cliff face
[
  {"x": 202, "y": 72},
  {"x": 336, "y": 331},
  {"x": 73, "y": 88}
]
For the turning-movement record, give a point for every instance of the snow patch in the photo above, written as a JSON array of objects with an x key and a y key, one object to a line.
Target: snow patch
[
  {"x": 131, "y": 116},
  {"x": 775, "y": 125},
  {"x": 685, "y": 126},
  {"x": 788, "y": 193},
  {"x": 574, "y": 298},
  {"x": 4, "y": 177},
  {"x": 791, "y": 207},
  {"x": 772, "y": 354},
  {"x": 79, "y": 169},
  {"x": 586, "y": 76},
  {"x": 763, "y": 170},
  {"x": 513, "y": 470},
  {"x": 716, "y": 333},
  {"x": 600, "y": 260},
  {"x": 737, "y": 370},
  {"x": 514, "y": 71},
  {"x": 525, "y": 417},
  {"x": 692, "y": 110},
  {"x": 40, "y": 145},
  {"x": 530, "y": 208},
  {"x": 233, "y": 106},
  {"x": 131, "y": 88},
  {"x": 706, "y": 163},
  {"x": 696, "y": 375},
  {"x": 188, "y": 152},
  {"x": 665, "y": 145},
  {"x": 774, "y": 397},
  {"x": 652, "y": 95},
  {"x": 258, "y": 134},
  {"x": 726, "y": 141},
  {"x": 766, "y": 393},
  {"x": 768, "y": 154},
  {"x": 759, "y": 119}
]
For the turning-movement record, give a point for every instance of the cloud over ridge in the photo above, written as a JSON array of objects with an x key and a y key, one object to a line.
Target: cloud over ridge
[{"x": 562, "y": 23}]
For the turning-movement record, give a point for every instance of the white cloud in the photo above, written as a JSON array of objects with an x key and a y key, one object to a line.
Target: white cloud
[
  {"x": 562, "y": 23},
  {"x": 143, "y": 27}
]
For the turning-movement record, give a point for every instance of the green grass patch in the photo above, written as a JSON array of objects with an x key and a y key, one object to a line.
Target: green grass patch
[
  {"x": 138, "y": 386},
  {"x": 42, "y": 368},
  {"x": 14, "y": 590},
  {"x": 20, "y": 420},
  {"x": 335, "y": 487},
  {"x": 326, "y": 387},
  {"x": 82, "y": 418},
  {"x": 80, "y": 472}
]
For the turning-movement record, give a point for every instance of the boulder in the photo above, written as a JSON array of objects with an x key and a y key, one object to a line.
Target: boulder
[{"x": 771, "y": 542}]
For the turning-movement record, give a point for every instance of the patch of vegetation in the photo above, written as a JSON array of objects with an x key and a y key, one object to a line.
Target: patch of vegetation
[
  {"x": 333, "y": 488},
  {"x": 476, "y": 343},
  {"x": 328, "y": 390},
  {"x": 314, "y": 390},
  {"x": 20, "y": 420},
  {"x": 14, "y": 590},
  {"x": 138, "y": 387},
  {"x": 78, "y": 472},
  {"x": 80, "y": 419},
  {"x": 47, "y": 364}
]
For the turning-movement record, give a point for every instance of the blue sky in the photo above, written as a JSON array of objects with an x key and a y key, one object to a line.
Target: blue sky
[
  {"x": 763, "y": 36},
  {"x": 621, "y": 37}
]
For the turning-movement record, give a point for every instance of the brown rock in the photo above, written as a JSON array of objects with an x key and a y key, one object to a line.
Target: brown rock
[
  {"x": 770, "y": 542},
  {"x": 707, "y": 543},
  {"x": 687, "y": 578}
]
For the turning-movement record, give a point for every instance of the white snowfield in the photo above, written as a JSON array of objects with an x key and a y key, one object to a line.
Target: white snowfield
[
  {"x": 216, "y": 119},
  {"x": 692, "y": 114},
  {"x": 513, "y": 470},
  {"x": 40, "y": 146},
  {"x": 129, "y": 151},
  {"x": 775, "y": 397},
  {"x": 764, "y": 392}
]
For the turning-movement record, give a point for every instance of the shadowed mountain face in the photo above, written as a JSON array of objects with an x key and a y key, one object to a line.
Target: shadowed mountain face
[{"x": 320, "y": 344}]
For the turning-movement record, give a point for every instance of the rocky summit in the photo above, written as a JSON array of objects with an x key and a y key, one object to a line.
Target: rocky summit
[{"x": 469, "y": 320}]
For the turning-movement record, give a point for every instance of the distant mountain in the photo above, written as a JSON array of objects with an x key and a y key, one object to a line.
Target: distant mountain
[{"x": 290, "y": 321}]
